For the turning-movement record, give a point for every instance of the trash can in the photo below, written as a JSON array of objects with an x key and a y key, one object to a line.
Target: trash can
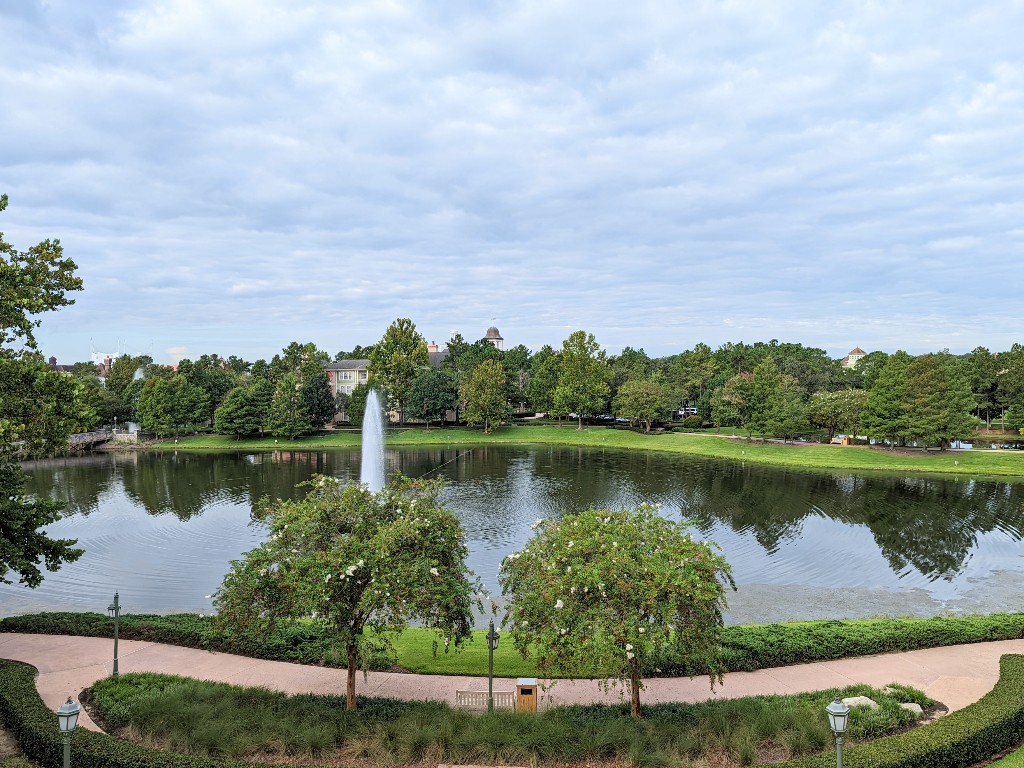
[{"x": 526, "y": 694}]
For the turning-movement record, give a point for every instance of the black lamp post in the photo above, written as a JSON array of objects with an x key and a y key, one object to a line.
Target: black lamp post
[
  {"x": 67, "y": 719},
  {"x": 838, "y": 717},
  {"x": 492, "y": 646},
  {"x": 114, "y": 611}
]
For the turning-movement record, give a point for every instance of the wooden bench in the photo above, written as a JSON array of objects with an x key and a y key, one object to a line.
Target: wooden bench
[{"x": 477, "y": 700}]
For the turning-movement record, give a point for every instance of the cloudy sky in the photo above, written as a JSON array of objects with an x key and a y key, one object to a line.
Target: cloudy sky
[{"x": 233, "y": 175}]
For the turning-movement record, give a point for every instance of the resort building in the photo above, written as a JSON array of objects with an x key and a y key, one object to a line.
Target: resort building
[{"x": 853, "y": 357}]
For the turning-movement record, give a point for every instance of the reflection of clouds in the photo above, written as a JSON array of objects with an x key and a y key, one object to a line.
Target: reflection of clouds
[
  {"x": 799, "y": 532},
  {"x": 785, "y": 159}
]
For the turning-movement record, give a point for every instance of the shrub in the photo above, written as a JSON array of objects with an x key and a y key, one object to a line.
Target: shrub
[
  {"x": 961, "y": 739},
  {"x": 693, "y": 422}
]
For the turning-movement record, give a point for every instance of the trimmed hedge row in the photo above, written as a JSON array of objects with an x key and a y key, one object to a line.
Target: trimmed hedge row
[
  {"x": 985, "y": 728},
  {"x": 744, "y": 648},
  {"x": 968, "y": 736},
  {"x": 35, "y": 729}
]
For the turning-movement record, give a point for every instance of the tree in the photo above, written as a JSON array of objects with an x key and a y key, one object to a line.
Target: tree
[
  {"x": 287, "y": 416},
  {"x": 540, "y": 391},
  {"x": 360, "y": 565},
  {"x": 433, "y": 394},
  {"x": 31, "y": 282},
  {"x": 642, "y": 401},
  {"x": 236, "y": 416},
  {"x": 583, "y": 380},
  {"x": 171, "y": 406},
  {"x": 395, "y": 361},
  {"x": 316, "y": 395},
  {"x": 485, "y": 397},
  {"x": 692, "y": 371},
  {"x": 940, "y": 400},
  {"x": 887, "y": 412},
  {"x": 37, "y": 406},
  {"x": 357, "y": 403},
  {"x": 23, "y": 540},
  {"x": 837, "y": 411},
  {"x": 603, "y": 592},
  {"x": 261, "y": 396}
]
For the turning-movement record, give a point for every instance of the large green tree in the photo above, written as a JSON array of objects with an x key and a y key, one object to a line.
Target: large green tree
[
  {"x": 39, "y": 408},
  {"x": 360, "y": 565},
  {"x": 433, "y": 394},
  {"x": 887, "y": 413},
  {"x": 643, "y": 401},
  {"x": 485, "y": 395},
  {"x": 237, "y": 415},
  {"x": 396, "y": 360},
  {"x": 287, "y": 417},
  {"x": 583, "y": 377},
  {"x": 171, "y": 406},
  {"x": 606, "y": 591}
]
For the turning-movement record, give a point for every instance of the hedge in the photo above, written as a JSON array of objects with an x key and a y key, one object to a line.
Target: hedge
[
  {"x": 975, "y": 733},
  {"x": 35, "y": 728},
  {"x": 967, "y": 736},
  {"x": 745, "y": 648}
]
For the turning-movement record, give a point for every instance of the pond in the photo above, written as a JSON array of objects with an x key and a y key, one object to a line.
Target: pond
[{"x": 162, "y": 527}]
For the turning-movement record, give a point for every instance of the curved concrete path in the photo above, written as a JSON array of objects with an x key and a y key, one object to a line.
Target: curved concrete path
[{"x": 955, "y": 675}]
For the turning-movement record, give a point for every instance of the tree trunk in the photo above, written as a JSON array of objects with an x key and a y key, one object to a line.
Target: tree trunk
[
  {"x": 579, "y": 426},
  {"x": 634, "y": 688},
  {"x": 350, "y": 692}
]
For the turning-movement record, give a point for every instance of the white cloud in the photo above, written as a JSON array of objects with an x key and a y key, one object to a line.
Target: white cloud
[{"x": 244, "y": 174}]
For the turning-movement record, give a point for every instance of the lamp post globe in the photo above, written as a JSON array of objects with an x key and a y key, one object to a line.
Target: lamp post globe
[
  {"x": 838, "y": 720},
  {"x": 67, "y": 721}
]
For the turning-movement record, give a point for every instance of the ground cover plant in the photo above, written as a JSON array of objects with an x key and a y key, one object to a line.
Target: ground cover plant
[
  {"x": 744, "y": 647},
  {"x": 1008, "y": 464},
  {"x": 219, "y": 720}
]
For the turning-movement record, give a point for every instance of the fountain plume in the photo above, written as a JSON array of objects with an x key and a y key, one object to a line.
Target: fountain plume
[{"x": 371, "y": 473}]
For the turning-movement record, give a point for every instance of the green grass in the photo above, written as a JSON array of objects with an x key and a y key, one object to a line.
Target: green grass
[
  {"x": 219, "y": 720},
  {"x": 1012, "y": 760},
  {"x": 801, "y": 456}
]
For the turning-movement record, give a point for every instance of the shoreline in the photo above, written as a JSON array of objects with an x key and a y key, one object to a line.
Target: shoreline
[{"x": 814, "y": 457}]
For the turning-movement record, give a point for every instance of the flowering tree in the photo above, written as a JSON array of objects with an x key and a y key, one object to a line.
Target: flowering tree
[
  {"x": 601, "y": 592},
  {"x": 353, "y": 560}
]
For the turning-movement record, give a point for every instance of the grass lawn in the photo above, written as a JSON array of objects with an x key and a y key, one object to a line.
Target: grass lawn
[
  {"x": 219, "y": 720},
  {"x": 414, "y": 648},
  {"x": 798, "y": 456},
  {"x": 1012, "y": 760}
]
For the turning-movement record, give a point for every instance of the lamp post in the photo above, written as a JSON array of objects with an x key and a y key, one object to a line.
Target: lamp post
[
  {"x": 838, "y": 716},
  {"x": 492, "y": 646},
  {"x": 67, "y": 719},
  {"x": 114, "y": 611}
]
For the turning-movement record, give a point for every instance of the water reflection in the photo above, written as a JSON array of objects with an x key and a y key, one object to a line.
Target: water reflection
[{"x": 163, "y": 527}]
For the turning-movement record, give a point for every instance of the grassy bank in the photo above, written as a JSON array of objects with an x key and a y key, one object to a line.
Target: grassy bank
[{"x": 797, "y": 456}]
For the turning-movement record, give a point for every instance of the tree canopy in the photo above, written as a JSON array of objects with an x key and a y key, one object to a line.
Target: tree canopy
[
  {"x": 39, "y": 408},
  {"x": 610, "y": 590},
  {"x": 352, "y": 561}
]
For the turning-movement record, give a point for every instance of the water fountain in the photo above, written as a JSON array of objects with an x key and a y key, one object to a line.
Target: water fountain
[{"x": 371, "y": 473}]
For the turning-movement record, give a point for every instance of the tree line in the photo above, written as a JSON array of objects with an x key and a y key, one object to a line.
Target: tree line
[{"x": 781, "y": 390}]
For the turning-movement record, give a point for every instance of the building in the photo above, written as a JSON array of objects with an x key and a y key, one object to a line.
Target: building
[
  {"x": 345, "y": 375},
  {"x": 853, "y": 357},
  {"x": 493, "y": 337}
]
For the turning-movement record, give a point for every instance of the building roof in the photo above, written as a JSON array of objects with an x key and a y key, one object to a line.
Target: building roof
[
  {"x": 857, "y": 351},
  {"x": 492, "y": 333},
  {"x": 347, "y": 365}
]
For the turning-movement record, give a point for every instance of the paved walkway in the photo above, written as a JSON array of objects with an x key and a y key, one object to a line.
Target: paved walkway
[{"x": 956, "y": 675}]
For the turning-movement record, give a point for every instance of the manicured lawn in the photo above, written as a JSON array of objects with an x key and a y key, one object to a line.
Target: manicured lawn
[
  {"x": 798, "y": 456},
  {"x": 214, "y": 719}
]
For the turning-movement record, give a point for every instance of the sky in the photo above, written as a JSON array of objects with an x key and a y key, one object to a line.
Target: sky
[{"x": 234, "y": 175}]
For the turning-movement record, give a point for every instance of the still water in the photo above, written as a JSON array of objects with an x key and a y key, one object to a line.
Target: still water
[{"x": 162, "y": 528}]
